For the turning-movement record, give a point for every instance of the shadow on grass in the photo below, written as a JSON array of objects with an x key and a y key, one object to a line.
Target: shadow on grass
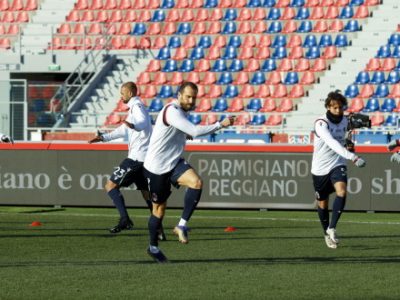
[{"x": 250, "y": 261}]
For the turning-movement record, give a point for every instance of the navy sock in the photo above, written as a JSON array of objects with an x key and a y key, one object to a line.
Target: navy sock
[
  {"x": 192, "y": 198},
  {"x": 154, "y": 225},
  {"x": 323, "y": 214},
  {"x": 119, "y": 202},
  {"x": 337, "y": 210},
  {"x": 150, "y": 205}
]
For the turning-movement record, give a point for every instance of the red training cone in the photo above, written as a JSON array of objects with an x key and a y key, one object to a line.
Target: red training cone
[
  {"x": 230, "y": 229},
  {"x": 35, "y": 224}
]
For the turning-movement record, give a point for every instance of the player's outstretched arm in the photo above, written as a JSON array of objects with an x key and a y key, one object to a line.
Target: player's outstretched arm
[
  {"x": 96, "y": 139},
  {"x": 228, "y": 121},
  {"x": 393, "y": 145}
]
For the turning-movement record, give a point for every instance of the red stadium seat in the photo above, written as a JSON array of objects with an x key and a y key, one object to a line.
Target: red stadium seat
[
  {"x": 236, "y": 105},
  {"x": 201, "y": 92},
  {"x": 239, "y": 3},
  {"x": 274, "y": 120},
  {"x": 154, "y": 66},
  {"x": 215, "y": 91},
  {"x": 169, "y": 28},
  {"x": 219, "y": 42},
  {"x": 65, "y": 29},
  {"x": 388, "y": 64},
  {"x": 262, "y": 53},
  {"x": 180, "y": 54},
  {"x": 4, "y": 5},
  {"x": 374, "y": 64},
  {"x": 17, "y": 5},
  {"x": 8, "y": 17},
  {"x": 288, "y": 13},
  {"x": 244, "y": 28},
  {"x": 312, "y": 3},
  {"x": 2, "y": 29},
  {"x": 294, "y": 41},
  {"x": 332, "y": 12},
  {"x": 154, "y": 29},
  {"x": 31, "y": 5},
  {"x": 249, "y": 41},
  {"x": 130, "y": 43},
  {"x": 214, "y": 28},
  {"x": 317, "y": 13},
  {"x": 327, "y": 3},
  {"x": 377, "y": 119},
  {"x": 13, "y": 29},
  {"x": 130, "y": 16},
  {"x": 209, "y": 78},
  {"x": 274, "y": 78},
  {"x": 282, "y": 3},
  {"x": 244, "y": 15},
  {"x": 204, "y": 105},
  {"x": 112, "y": 29},
  {"x": 102, "y": 16},
  {"x": 96, "y": 4},
  {"x": 56, "y": 43},
  {"x": 143, "y": 78},
  {"x": 117, "y": 42},
  {"x": 82, "y": 4},
  {"x": 285, "y": 65},
  {"x": 242, "y": 119},
  {"x": 153, "y": 4},
  {"x": 286, "y": 105},
  {"x": 263, "y": 91},
  {"x": 79, "y": 28},
  {"x": 296, "y": 53},
  {"x": 172, "y": 15},
  {"x": 150, "y": 91},
  {"x": 182, "y": 4},
  {"x": 341, "y": 2},
  {"x": 321, "y": 26},
  {"x": 160, "y": 78},
  {"x": 269, "y": 105},
  {"x": 252, "y": 65},
  {"x": 395, "y": 92},
  {"x": 297, "y": 91},
  {"x": 225, "y": 3},
  {"x": 265, "y": 41},
  {"x": 144, "y": 16},
  {"x": 209, "y": 119},
  {"x": 199, "y": 28},
  {"x": 193, "y": 77},
  {"x": 202, "y": 15},
  {"x": 70, "y": 43},
  {"x": 5, "y": 43},
  {"x": 259, "y": 14},
  {"x": 307, "y": 78},
  {"x": 361, "y": 12},
  {"x": 116, "y": 16},
  {"x": 366, "y": 91},
  {"x": 216, "y": 14},
  {"x": 260, "y": 27},
  {"x": 85, "y": 43},
  {"x": 245, "y": 53},
  {"x": 357, "y": 105},
  {"x": 95, "y": 29},
  {"x": 125, "y": 4},
  {"x": 289, "y": 27},
  {"x": 330, "y": 52},
  {"x": 241, "y": 79},
  {"x": 336, "y": 26},
  {"x": 187, "y": 16},
  {"x": 113, "y": 119},
  {"x": 203, "y": 66},
  {"x": 111, "y": 4},
  {"x": 319, "y": 65},
  {"x": 73, "y": 16},
  {"x": 139, "y": 4},
  {"x": 121, "y": 107},
  {"x": 279, "y": 91},
  {"x": 214, "y": 53},
  {"x": 247, "y": 91},
  {"x": 189, "y": 42},
  {"x": 144, "y": 43}
]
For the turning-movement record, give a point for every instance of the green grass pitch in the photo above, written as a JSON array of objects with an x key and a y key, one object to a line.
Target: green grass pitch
[{"x": 271, "y": 255}]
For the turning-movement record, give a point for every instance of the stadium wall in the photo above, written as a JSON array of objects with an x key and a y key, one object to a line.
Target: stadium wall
[{"x": 235, "y": 176}]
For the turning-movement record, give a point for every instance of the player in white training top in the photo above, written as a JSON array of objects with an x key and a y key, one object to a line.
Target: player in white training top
[
  {"x": 6, "y": 139},
  {"x": 392, "y": 146},
  {"x": 138, "y": 129},
  {"x": 164, "y": 164},
  {"x": 329, "y": 164}
]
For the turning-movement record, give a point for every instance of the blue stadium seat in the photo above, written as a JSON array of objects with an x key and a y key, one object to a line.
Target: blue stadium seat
[
  {"x": 254, "y": 105},
  {"x": 394, "y": 39},
  {"x": 187, "y": 66},
  {"x": 368, "y": 137},
  {"x": 225, "y": 78},
  {"x": 167, "y": 4},
  {"x": 205, "y": 41},
  {"x": 274, "y": 27},
  {"x": 274, "y": 14},
  {"x": 310, "y": 41},
  {"x": 164, "y": 53},
  {"x": 174, "y": 42},
  {"x": 378, "y": 77},
  {"x": 197, "y": 53},
  {"x": 297, "y": 3},
  {"x": 393, "y": 77},
  {"x": 396, "y": 51},
  {"x": 231, "y": 91},
  {"x": 341, "y": 40},
  {"x": 166, "y": 92},
  {"x": 139, "y": 29},
  {"x": 384, "y": 52},
  {"x": 312, "y": 53},
  {"x": 362, "y": 78},
  {"x": 156, "y": 105},
  {"x": 388, "y": 105},
  {"x": 279, "y": 53},
  {"x": 184, "y": 28},
  {"x": 268, "y": 3},
  {"x": 38, "y": 105},
  {"x": 258, "y": 78},
  {"x": 230, "y": 14},
  {"x": 351, "y": 26},
  {"x": 220, "y": 105},
  {"x": 219, "y": 66},
  {"x": 229, "y": 28},
  {"x": 44, "y": 120},
  {"x": 305, "y": 26},
  {"x": 291, "y": 78},
  {"x": 210, "y": 3},
  {"x": 303, "y": 13},
  {"x": 170, "y": 66},
  {"x": 235, "y": 41},
  {"x": 268, "y": 65},
  {"x": 254, "y": 3},
  {"x": 356, "y": 2},
  {"x": 236, "y": 65},
  {"x": 325, "y": 40},
  {"x": 230, "y": 53},
  {"x": 258, "y": 119},
  {"x": 194, "y": 118},
  {"x": 391, "y": 120},
  {"x": 382, "y": 90},
  {"x": 351, "y": 91},
  {"x": 346, "y": 13},
  {"x": 158, "y": 16},
  {"x": 279, "y": 41},
  {"x": 371, "y": 105}
]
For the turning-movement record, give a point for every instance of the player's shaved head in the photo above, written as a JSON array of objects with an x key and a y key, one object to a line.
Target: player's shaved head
[{"x": 131, "y": 86}]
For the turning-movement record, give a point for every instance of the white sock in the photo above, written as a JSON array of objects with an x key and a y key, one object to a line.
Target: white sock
[
  {"x": 182, "y": 222},
  {"x": 154, "y": 249}
]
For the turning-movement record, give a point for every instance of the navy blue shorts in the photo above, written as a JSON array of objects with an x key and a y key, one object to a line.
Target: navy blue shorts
[
  {"x": 160, "y": 185},
  {"x": 323, "y": 185},
  {"x": 130, "y": 171}
]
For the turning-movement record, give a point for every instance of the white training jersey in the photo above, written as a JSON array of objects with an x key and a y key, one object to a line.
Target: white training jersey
[
  {"x": 329, "y": 151},
  {"x": 168, "y": 140},
  {"x": 139, "y": 136}
]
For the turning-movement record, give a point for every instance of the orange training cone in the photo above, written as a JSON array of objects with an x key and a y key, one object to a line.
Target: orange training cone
[
  {"x": 230, "y": 229},
  {"x": 35, "y": 224}
]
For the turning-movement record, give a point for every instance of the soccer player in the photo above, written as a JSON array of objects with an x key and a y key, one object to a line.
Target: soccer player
[
  {"x": 329, "y": 164},
  {"x": 164, "y": 165},
  {"x": 138, "y": 128},
  {"x": 6, "y": 139},
  {"x": 396, "y": 156}
]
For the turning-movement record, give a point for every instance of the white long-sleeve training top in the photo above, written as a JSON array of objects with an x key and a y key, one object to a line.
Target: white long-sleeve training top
[
  {"x": 168, "y": 140},
  {"x": 329, "y": 151},
  {"x": 139, "y": 136}
]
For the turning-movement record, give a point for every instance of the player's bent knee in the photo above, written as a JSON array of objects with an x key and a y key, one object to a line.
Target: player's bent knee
[{"x": 110, "y": 185}]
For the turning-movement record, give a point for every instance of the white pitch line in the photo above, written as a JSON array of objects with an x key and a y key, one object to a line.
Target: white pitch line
[{"x": 212, "y": 217}]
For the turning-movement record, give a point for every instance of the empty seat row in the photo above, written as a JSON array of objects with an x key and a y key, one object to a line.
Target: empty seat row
[
  {"x": 193, "y": 4},
  {"x": 386, "y": 64},
  {"x": 236, "y": 65},
  {"x": 14, "y": 17},
  {"x": 247, "y": 53},
  {"x": 378, "y": 77},
  {"x": 229, "y": 91},
  {"x": 11, "y": 29},
  {"x": 15, "y": 5},
  {"x": 241, "y": 120},
  {"x": 368, "y": 90},
  {"x": 386, "y": 51},
  {"x": 226, "y": 78},
  {"x": 374, "y": 104}
]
